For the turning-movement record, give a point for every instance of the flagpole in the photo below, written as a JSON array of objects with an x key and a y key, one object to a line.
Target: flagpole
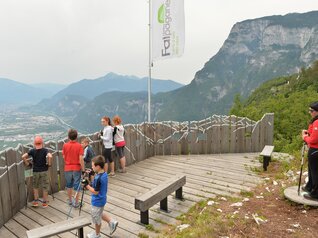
[{"x": 150, "y": 65}]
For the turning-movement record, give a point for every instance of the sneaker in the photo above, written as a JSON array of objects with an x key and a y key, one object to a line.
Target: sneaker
[
  {"x": 310, "y": 197},
  {"x": 122, "y": 171},
  {"x": 35, "y": 203},
  {"x": 111, "y": 174},
  {"x": 93, "y": 235},
  {"x": 45, "y": 204},
  {"x": 69, "y": 202},
  {"x": 113, "y": 226}
]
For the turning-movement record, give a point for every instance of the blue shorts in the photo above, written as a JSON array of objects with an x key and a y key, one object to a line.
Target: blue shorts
[{"x": 73, "y": 179}]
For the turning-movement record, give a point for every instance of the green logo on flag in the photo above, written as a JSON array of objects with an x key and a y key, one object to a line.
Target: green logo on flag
[{"x": 161, "y": 14}]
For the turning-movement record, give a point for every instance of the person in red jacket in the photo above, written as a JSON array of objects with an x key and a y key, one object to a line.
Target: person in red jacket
[{"x": 310, "y": 136}]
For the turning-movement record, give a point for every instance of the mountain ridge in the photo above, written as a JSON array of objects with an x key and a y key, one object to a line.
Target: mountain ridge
[{"x": 256, "y": 50}]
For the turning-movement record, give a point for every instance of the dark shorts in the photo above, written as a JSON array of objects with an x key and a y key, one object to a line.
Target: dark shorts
[
  {"x": 120, "y": 151},
  {"x": 107, "y": 153}
]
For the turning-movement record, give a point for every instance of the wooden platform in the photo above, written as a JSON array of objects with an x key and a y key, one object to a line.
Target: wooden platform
[
  {"x": 291, "y": 193},
  {"x": 207, "y": 176}
]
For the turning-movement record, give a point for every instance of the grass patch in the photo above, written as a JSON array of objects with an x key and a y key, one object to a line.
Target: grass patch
[
  {"x": 161, "y": 221},
  {"x": 150, "y": 227},
  {"x": 246, "y": 194},
  {"x": 143, "y": 235}
]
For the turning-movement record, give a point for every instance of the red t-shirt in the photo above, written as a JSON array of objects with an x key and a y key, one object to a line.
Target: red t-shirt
[{"x": 71, "y": 153}]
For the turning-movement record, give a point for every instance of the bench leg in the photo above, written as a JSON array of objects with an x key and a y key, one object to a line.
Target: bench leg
[
  {"x": 144, "y": 217},
  {"x": 179, "y": 194},
  {"x": 266, "y": 160},
  {"x": 164, "y": 204},
  {"x": 81, "y": 232}
]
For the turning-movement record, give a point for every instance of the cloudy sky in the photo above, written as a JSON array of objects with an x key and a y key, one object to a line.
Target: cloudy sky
[{"x": 64, "y": 41}]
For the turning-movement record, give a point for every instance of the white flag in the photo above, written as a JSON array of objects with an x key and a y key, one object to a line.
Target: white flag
[{"x": 167, "y": 29}]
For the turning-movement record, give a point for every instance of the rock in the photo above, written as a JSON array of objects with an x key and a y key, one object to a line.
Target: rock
[
  {"x": 236, "y": 212},
  {"x": 237, "y": 204},
  {"x": 289, "y": 173},
  {"x": 258, "y": 220},
  {"x": 296, "y": 225},
  {"x": 275, "y": 183},
  {"x": 267, "y": 189},
  {"x": 182, "y": 227},
  {"x": 219, "y": 210},
  {"x": 304, "y": 211},
  {"x": 246, "y": 217},
  {"x": 259, "y": 197},
  {"x": 267, "y": 179},
  {"x": 246, "y": 199},
  {"x": 211, "y": 203},
  {"x": 223, "y": 199},
  {"x": 305, "y": 173},
  {"x": 290, "y": 230}
]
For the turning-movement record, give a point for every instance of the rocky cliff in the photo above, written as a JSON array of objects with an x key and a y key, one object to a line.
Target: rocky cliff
[{"x": 255, "y": 51}]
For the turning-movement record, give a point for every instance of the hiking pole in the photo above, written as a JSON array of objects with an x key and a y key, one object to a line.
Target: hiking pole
[
  {"x": 302, "y": 164},
  {"x": 79, "y": 187}
]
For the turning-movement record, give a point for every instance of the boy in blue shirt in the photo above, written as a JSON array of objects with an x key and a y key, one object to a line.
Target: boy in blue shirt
[{"x": 98, "y": 188}]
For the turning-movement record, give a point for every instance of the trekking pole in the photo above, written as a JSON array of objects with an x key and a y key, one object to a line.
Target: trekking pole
[
  {"x": 301, "y": 168},
  {"x": 79, "y": 187}
]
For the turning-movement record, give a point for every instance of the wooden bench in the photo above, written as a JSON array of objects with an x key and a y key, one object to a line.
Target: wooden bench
[
  {"x": 267, "y": 153},
  {"x": 159, "y": 194},
  {"x": 61, "y": 227}
]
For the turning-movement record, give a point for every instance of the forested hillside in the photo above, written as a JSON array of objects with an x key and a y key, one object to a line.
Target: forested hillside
[{"x": 288, "y": 97}]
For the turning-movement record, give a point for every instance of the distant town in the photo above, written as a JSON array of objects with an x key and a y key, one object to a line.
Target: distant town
[{"x": 21, "y": 127}]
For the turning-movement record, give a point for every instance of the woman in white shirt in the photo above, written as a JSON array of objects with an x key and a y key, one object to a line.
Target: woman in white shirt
[
  {"x": 119, "y": 139},
  {"x": 107, "y": 137}
]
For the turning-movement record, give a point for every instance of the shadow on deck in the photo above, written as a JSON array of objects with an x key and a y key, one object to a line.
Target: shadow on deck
[{"x": 207, "y": 177}]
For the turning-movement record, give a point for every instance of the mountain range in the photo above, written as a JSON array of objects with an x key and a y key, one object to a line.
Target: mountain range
[
  {"x": 48, "y": 94},
  {"x": 14, "y": 92},
  {"x": 114, "y": 82},
  {"x": 78, "y": 95},
  {"x": 255, "y": 51}
]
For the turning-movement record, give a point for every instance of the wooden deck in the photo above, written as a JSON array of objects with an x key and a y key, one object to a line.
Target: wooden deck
[{"x": 207, "y": 176}]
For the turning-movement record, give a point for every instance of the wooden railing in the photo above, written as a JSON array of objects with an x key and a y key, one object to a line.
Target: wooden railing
[{"x": 216, "y": 134}]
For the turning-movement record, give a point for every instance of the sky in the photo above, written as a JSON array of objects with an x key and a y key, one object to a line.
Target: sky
[{"x": 63, "y": 41}]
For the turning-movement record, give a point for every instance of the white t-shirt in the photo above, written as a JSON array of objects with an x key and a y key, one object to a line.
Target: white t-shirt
[{"x": 107, "y": 137}]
